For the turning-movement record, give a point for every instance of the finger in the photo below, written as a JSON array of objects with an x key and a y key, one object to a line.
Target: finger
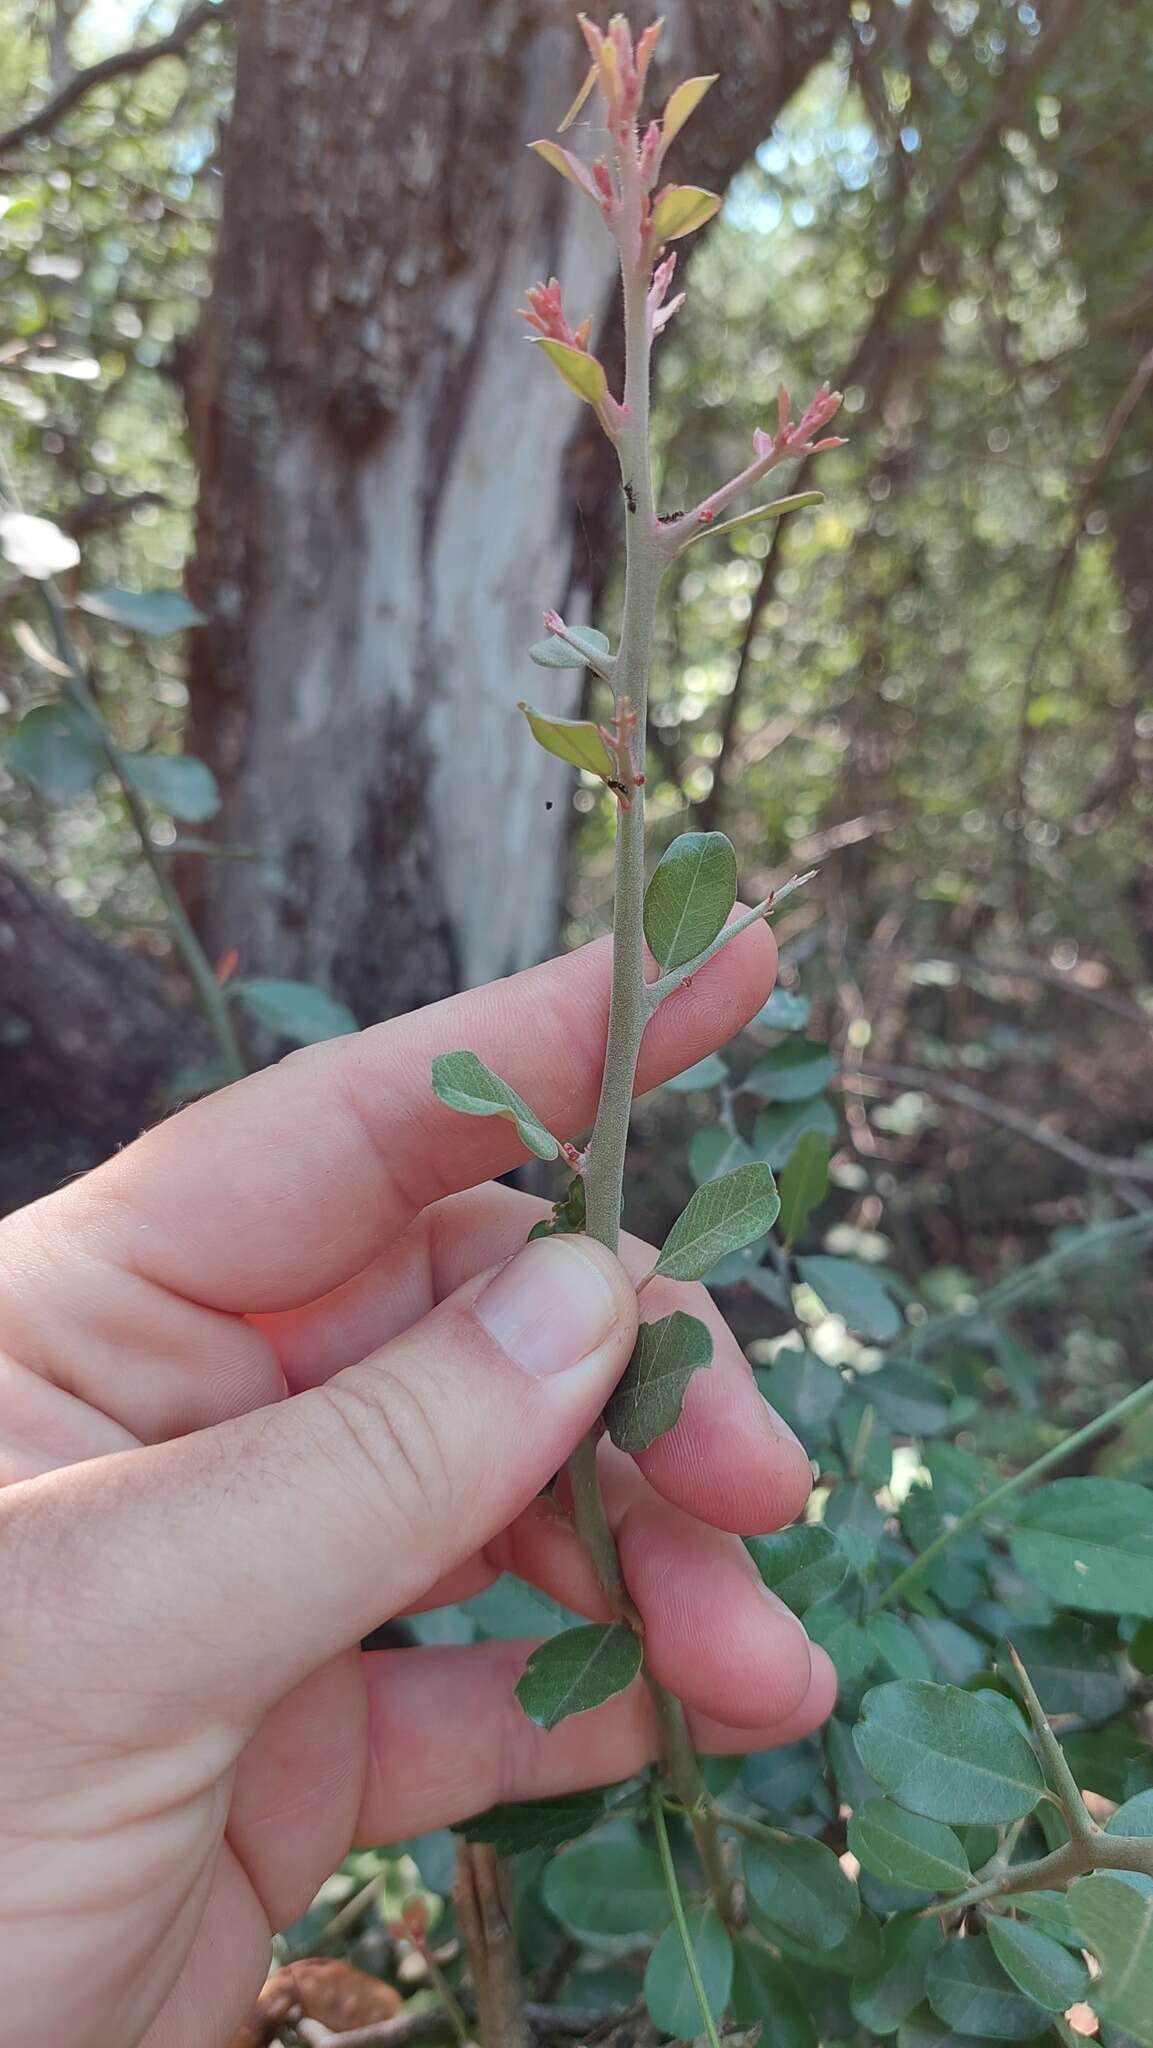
[
  {"x": 730, "y": 1459},
  {"x": 448, "y": 1737},
  {"x": 277, "y": 1189},
  {"x": 227, "y": 1566}
]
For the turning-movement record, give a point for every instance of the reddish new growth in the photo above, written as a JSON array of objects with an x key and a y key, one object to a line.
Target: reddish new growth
[
  {"x": 546, "y": 314},
  {"x": 618, "y": 738},
  {"x": 789, "y": 440}
]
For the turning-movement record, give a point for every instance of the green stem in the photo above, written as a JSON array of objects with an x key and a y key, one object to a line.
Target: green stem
[
  {"x": 743, "y": 1824},
  {"x": 1121, "y": 1411},
  {"x": 656, "y": 1809},
  {"x": 1074, "y": 1858},
  {"x": 212, "y": 999}
]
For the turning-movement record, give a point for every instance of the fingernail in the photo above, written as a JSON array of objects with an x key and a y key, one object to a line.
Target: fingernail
[{"x": 550, "y": 1306}]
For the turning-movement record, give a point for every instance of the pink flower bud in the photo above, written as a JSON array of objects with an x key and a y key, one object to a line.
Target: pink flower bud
[
  {"x": 649, "y": 156},
  {"x": 546, "y": 313}
]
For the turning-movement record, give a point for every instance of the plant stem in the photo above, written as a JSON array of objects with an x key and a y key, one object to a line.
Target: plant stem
[
  {"x": 212, "y": 999},
  {"x": 1121, "y": 1411},
  {"x": 646, "y": 558},
  {"x": 1074, "y": 1858},
  {"x": 656, "y": 1809}
]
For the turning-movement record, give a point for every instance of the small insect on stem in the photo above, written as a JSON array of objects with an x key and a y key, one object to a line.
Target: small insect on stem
[{"x": 630, "y": 497}]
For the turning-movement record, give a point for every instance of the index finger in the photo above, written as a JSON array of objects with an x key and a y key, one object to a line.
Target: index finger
[{"x": 281, "y": 1187}]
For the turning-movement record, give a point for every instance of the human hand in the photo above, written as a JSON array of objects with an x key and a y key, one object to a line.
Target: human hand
[{"x": 286, "y": 1368}]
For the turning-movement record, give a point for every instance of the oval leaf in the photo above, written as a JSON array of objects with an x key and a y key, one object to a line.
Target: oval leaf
[
  {"x": 884, "y": 1995},
  {"x": 948, "y": 1754},
  {"x": 721, "y": 1217},
  {"x": 669, "y": 1993},
  {"x": 463, "y": 1082},
  {"x": 681, "y": 208},
  {"x": 537, "y": 1824},
  {"x": 575, "y": 740},
  {"x": 803, "y": 1184},
  {"x": 681, "y": 103},
  {"x": 609, "y": 1886},
  {"x": 969, "y": 1990},
  {"x": 143, "y": 611},
  {"x": 800, "y": 1565},
  {"x": 582, "y": 373},
  {"x": 764, "y": 1992},
  {"x": 1115, "y": 1920},
  {"x": 1039, "y": 1966},
  {"x": 791, "y": 1073},
  {"x": 852, "y": 1291},
  {"x": 178, "y": 783},
  {"x": 800, "y": 1886},
  {"x": 1088, "y": 1543},
  {"x": 689, "y": 897},
  {"x": 295, "y": 1010},
  {"x": 579, "y": 1669},
  {"x": 905, "y": 1848},
  {"x": 56, "y": 747},
  {"x": 649, "y": 1398}
]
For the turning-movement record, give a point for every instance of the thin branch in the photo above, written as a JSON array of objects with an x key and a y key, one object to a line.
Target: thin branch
[
  {"x": 1015, "y": 1120},
  {"x": 667, "y": 984},
  {"x": 672, "y": 1886},
  {"x": 122, "y": 64}
]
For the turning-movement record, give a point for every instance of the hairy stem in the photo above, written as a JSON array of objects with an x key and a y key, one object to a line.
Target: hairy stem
[
  {"x": 212, "y": 999},
  {"x": 656, "y": 1808},
  {"x": 1121, "y": 1411},
  {"x": 1074, "y": 1858},
  {"x": 646, "y": 558}
]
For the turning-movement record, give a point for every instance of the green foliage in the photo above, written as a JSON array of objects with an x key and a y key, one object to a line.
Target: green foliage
[
  {"x": 650, "y": 1395},
  {"x": 803, "y": 1182},
  {"x": 970, "y": 1991},
  {"x": 143, "y": 611},
  {"x": 948, "y": 1754},
  {"x": 177, "y": 783},
  {"x": 721, "y": 1217},
  {"x": 905, "y": 1848},
  {"x": 668, "y": 1989},
  {"x": 1088, "y": 1543},
  {"x": 608, "y": 1885},
  {"x": 689, "y": 897},
  {"x": 56, "y": 748},
  {"x": 464, "y": 1083},
  {"x": 578, "y": 1669},
  {"x": 584, "y": 644},
  {"x": 1115, "y": 1920},
  {"x": 294, "y": 1010},
  {"x": 799, "y": 1886},
  {"x": 575, "y": 740}
]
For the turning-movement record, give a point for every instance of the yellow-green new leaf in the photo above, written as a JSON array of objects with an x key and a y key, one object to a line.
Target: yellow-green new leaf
[
  {"x": 582, "y": 373},
  {"x": 568, "y": 165},
  {"x": 683, "y": 102},
  {"x": 575, "y": 740},
  {"x": 680, "y": 209}
]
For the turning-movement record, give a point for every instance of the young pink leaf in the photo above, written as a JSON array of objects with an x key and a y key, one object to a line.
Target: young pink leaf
[{"x": 681, "y": 208}]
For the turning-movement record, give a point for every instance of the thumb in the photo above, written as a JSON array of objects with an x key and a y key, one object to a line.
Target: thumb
[{"x": 225, "y": 1566}]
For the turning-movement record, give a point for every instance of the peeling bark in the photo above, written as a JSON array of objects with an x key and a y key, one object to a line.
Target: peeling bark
[{"x": 387, "y": 474}]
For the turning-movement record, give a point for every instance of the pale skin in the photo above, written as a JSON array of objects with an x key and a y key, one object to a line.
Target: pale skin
[{"x": 283, "y": 1370}]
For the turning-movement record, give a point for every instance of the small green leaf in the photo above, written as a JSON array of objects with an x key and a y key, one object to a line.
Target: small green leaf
[
  {"x": 575, "y": 740},
  {"x": 692, "y": 891},
  {"x": 968, "y": 1988},
  {"x": 803, "y": 1184},
  {"x": 578, "y": 1670},
  {"x": 538, "y": 1824},
  {"x": 648, "y": 1399},
  {"x": 801, "y": 1565},
  {"x": 765, "y": 1994},
  {"x": 1115, "y": 1920},
  {"x": 582, "y": 373},
  {"x": 1135, "y": 1817},
  {"x": 948, "y": 1754},
  {"x": 905, "y": 1848},
  {"x": 721, "y": 1217},
  {"x": 899, "y": 1652},
  {"x": 800, "y": 1886},
  {"x": 56, "y": 747},
  {"x": 608, "y": 1886},
  {"x": 1074, "y": 1667},
  {"x": 792, "y": 1072},
  {"x": 805, "y": 1390},
  {"x": 707, "y": 1073},
  {"x": 669, "y": 1994},
  {"x": 1088, "y": 1543},
  {"x": 178, "y": 783},
  {"x": 885, "y": 1993},
  {"x": 852, "y": 1291},
  {"x": 1039, "y": 1967},
  {"x": 786, "y": 1010},
  {"x": 143, "y": 611},
  {"x": 557, "y": 653},
  {"x": 294, "y": 1009},
  {"x": 778, "y": 1128},
  {"x": 857, "y": 1523},
  {"x": 679, "y": 209},
  {"x": 463, "y": 1082}
]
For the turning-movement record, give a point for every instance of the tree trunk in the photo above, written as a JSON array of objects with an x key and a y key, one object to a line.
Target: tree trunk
[{"x": 388, "y": 472}]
